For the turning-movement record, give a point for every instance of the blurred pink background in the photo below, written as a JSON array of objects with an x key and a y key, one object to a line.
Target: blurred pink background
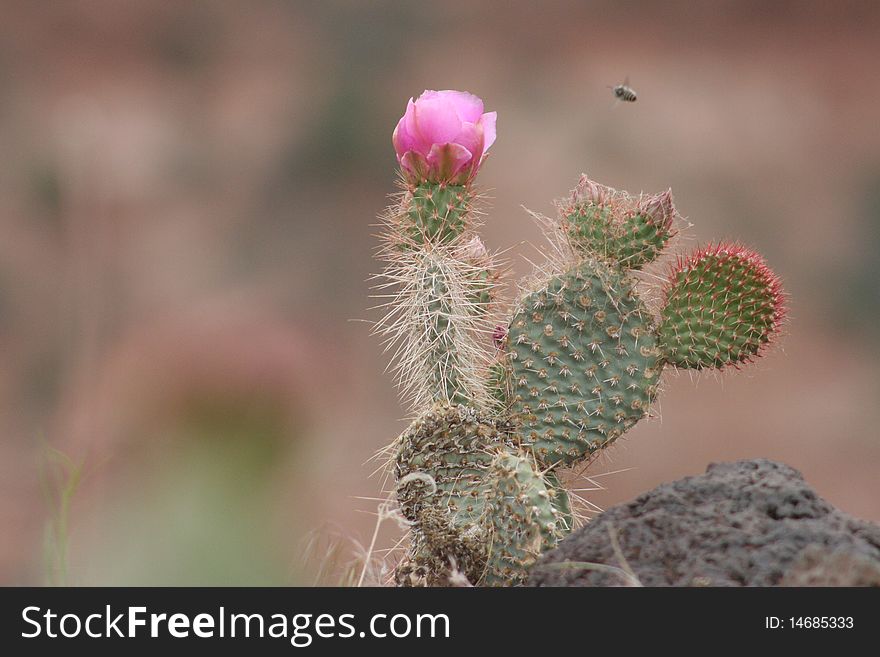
[{"x": 187, "y": 193}]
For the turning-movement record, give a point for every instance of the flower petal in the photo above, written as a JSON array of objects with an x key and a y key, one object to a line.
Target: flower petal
[
  {"x": 488, "y": 122},
  {"x": 436, "y": 121},
  {"x": 401, "y": 138},
  {"x": 467, "y": 106},
  {"x": 445, "y": 161},
  {"x": 471, "y": 137},
  {"x": 414, "y": 166},
  {"x": 409, "y": 123}
]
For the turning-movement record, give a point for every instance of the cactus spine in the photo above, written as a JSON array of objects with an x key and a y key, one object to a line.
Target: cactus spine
[{"x": 576, "y": 365}]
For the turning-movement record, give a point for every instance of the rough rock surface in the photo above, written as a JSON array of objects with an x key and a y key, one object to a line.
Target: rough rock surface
[{"x": 749, "y": 523}]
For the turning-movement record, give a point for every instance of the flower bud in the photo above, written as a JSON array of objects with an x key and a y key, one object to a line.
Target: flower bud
[
  {"x": 658, "y": 208},
  {"x": 474, "y": 250},
  {"x": 499, "y": 335},
  {"x": 591, "y": 193}
]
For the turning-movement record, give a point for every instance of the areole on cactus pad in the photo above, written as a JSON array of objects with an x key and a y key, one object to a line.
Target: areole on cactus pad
[{"x": 500, "y": 407}]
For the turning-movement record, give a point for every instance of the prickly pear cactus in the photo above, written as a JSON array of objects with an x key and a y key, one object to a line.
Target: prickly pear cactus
[{"x": 500, "y": 408}]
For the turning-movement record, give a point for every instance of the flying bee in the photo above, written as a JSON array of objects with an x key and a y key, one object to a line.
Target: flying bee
[{"x": 624, "y": 92}]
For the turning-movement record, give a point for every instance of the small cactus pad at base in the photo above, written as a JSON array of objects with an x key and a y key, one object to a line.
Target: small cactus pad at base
[
  {"x": 439, "y": 549},
  {"x": 584, "y": 363},
  {"x": 441, "y": 463},
  {"x": 522, "y": 520},
  {"x": 723, "y": 305}
]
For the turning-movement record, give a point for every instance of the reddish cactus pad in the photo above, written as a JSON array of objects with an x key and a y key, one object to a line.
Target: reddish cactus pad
[{"x": 723, "y": 306}]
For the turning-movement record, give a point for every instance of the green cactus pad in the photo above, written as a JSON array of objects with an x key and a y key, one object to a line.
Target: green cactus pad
[
  {"x": 441, "y": 470},
  {"x": 632, "y": 241},
  {"x": 584, "y": 362},
  {"x": 438, "y": 212},
  {"x": 521, "y": 518},
  {"x": 723, "y": 306},
  {"x": 442, "y": 458}
]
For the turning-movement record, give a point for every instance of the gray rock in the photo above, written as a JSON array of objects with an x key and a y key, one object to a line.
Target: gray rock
[{"x": 749, "y": 523}]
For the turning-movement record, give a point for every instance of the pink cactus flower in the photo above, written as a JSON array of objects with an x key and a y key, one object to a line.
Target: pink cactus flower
[{"x": 443, "y": 137}]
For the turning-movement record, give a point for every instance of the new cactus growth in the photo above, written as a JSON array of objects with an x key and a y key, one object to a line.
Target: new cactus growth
[{"x": 499, "y": 409}]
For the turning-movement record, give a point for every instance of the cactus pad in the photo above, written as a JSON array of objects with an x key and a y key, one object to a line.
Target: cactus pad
[
  {"x": 584, "y": 362},
  {"x": 522, "y": 519},
  {"x": 439, "y": 548},
  {"x": 723, "y": 306},
  {"x": 600, "y": 221},
  {"x": 560, "y": 500},
  {"x": 442, "y": 458},
  {"x": 633, "y": 241},
  {"x": 432, "y": 326}
]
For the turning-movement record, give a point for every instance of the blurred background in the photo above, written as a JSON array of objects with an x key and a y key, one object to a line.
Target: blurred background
[{"x": 188, "y": 391}]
